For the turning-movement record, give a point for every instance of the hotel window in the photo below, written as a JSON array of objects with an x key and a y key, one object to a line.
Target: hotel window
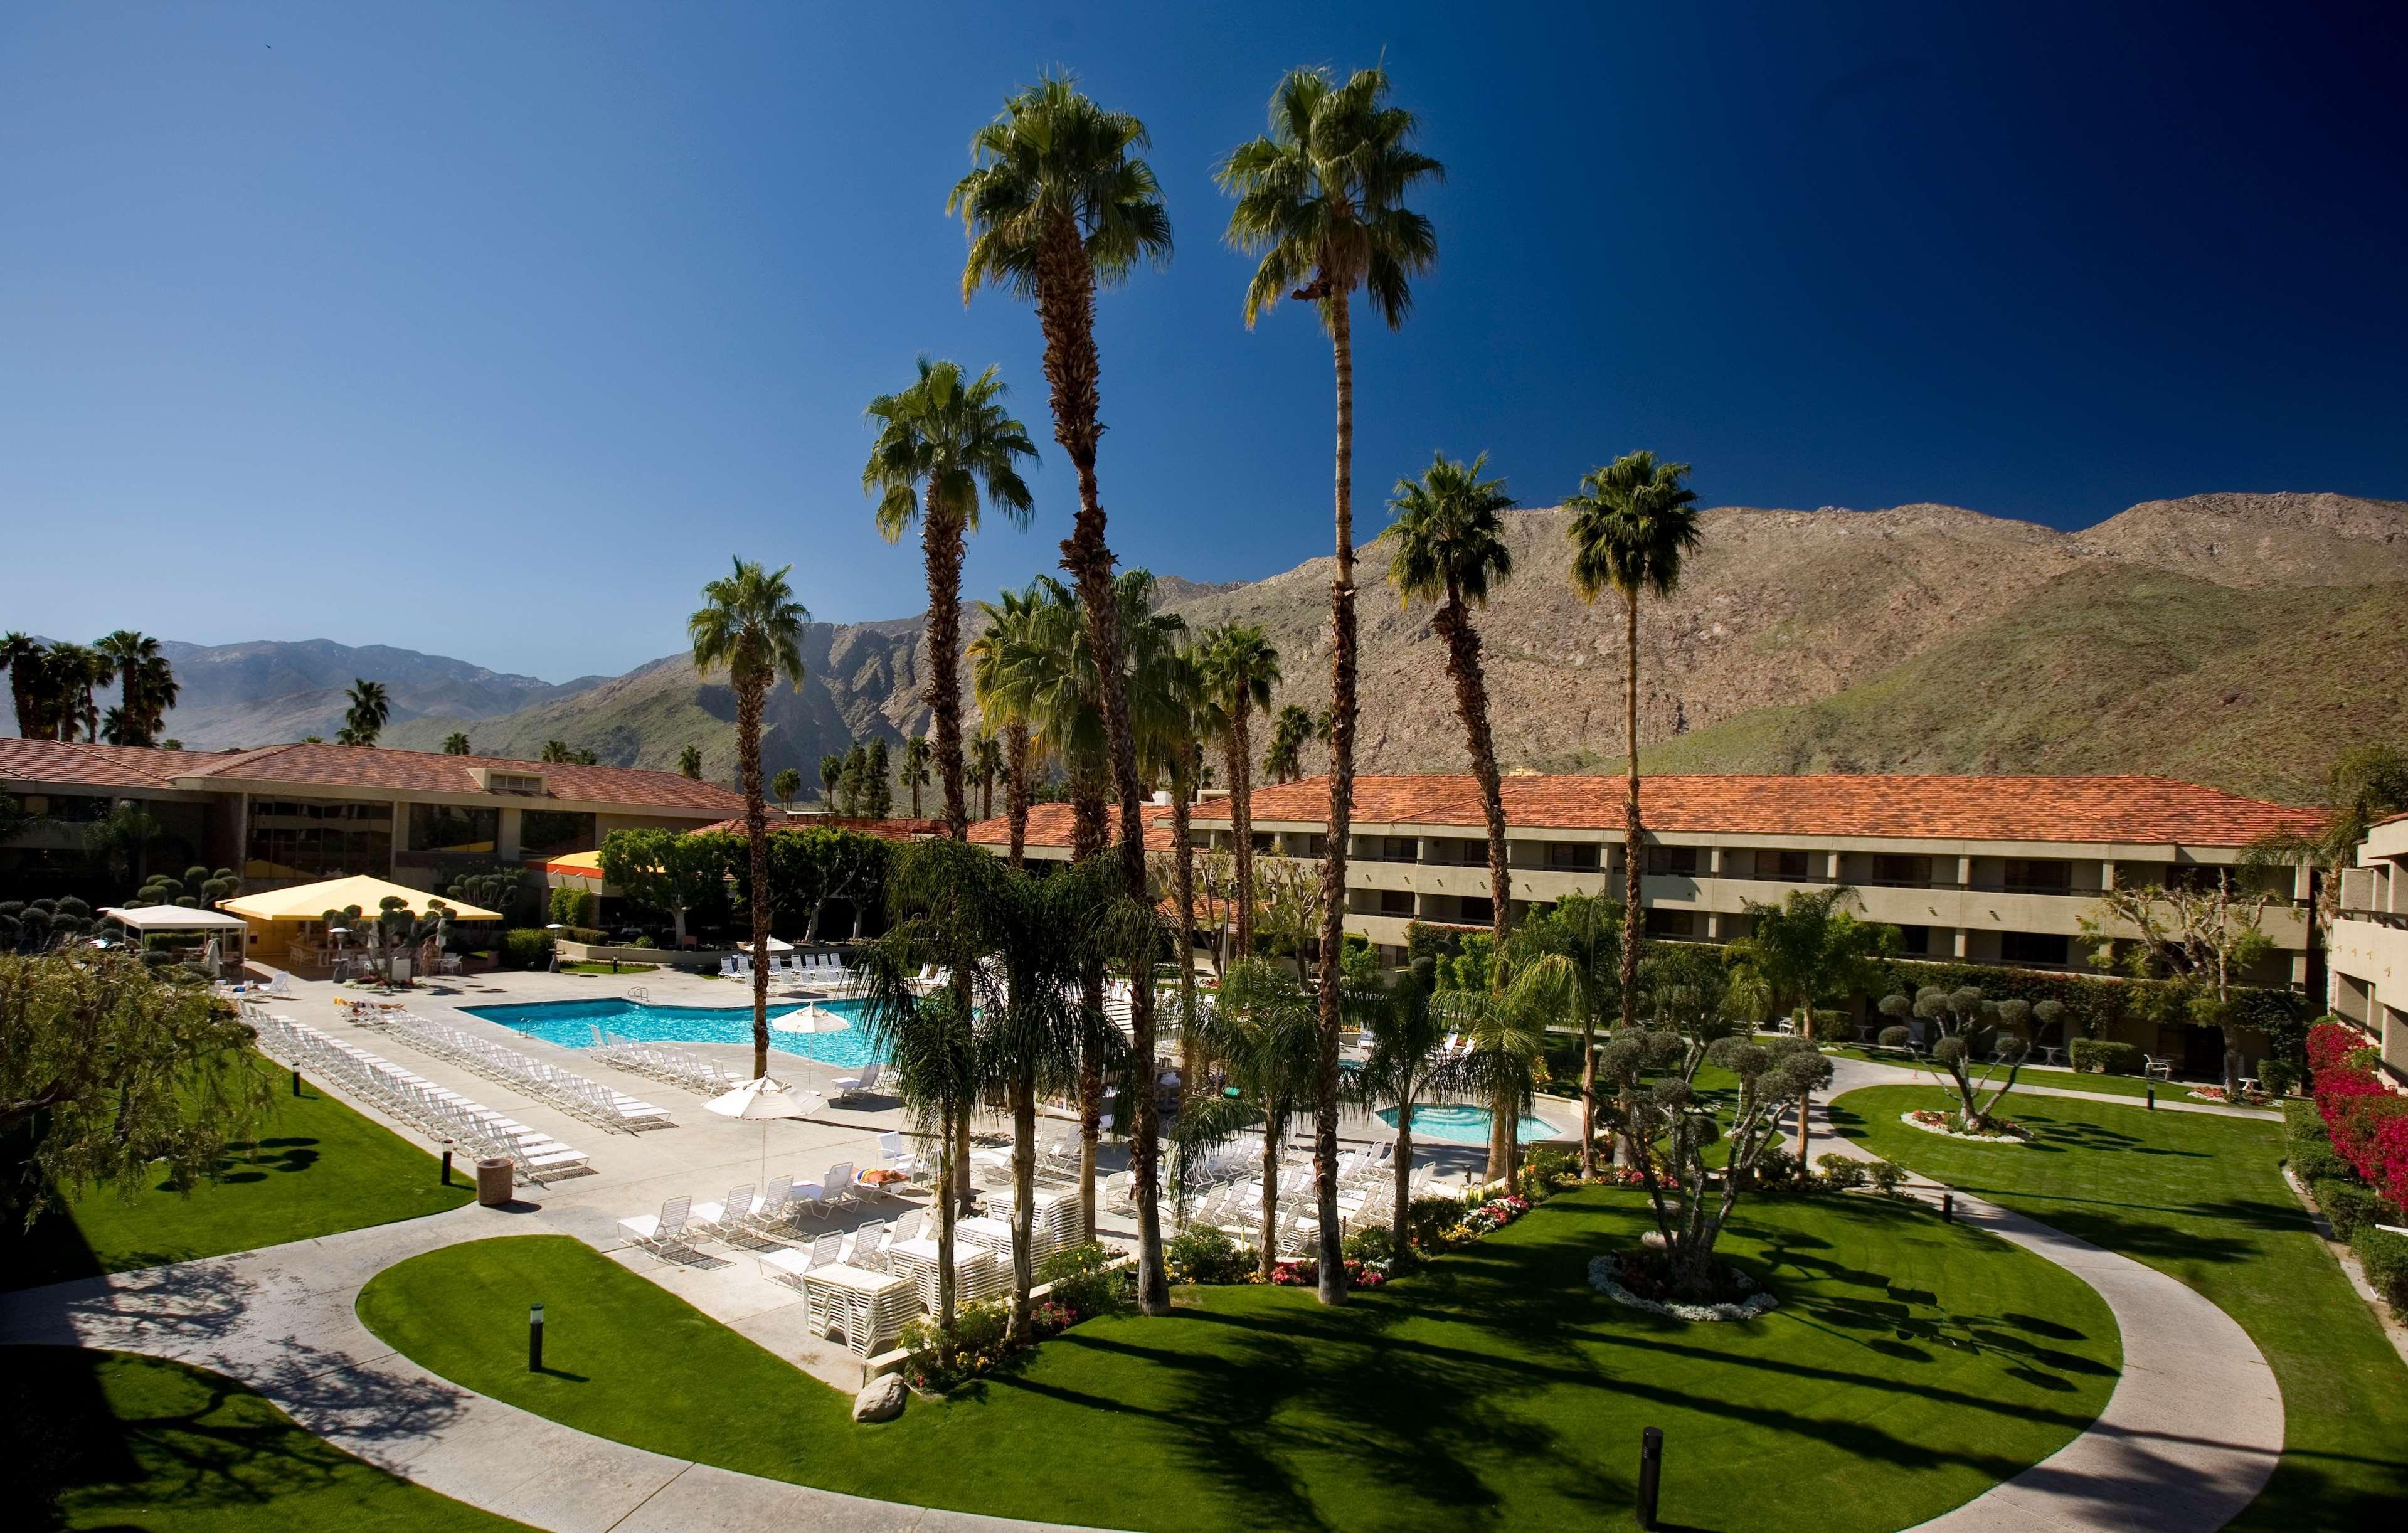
[
  {"x": 1676, "y": 924},
  {"x": 1572, "y": 857},
  {"x": 1916, "y": 940},
  {"x": 1912, "y": 871},
  {"x": 1794, "y": 866},
  {"x": 2037, "y": 876},
  {"x": 440, "y": 827},
  {"x": 547, "y": 833},
  {"x": 1664, "y": 860},
  {"x": 2033, "y": 948},
  {"x": 1400, "y": 849},
  {"x": 1475, "y": 909},
  {"x": 1397, "y": 902}
]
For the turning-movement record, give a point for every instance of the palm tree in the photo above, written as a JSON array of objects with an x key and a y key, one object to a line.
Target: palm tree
[
  {"x": 455, "y": 743},
  {"x": 985, "y": 765},
  {"x": 1005, "y": 664},
  {"x": 1585, "y": 930},
  {"x": 1450, "y": 550},
  {"x": 1266, "y": 1033},
  {"x": 71, "y": 671},
  {"x": 944, "y": 898},
  {"x": 750, "y": 626},
  {"x": 158, "y": 693},
  {"x": 1239, "y": 668},
  {"x": 370, "y": 710},
  {"x": 689, "y": 761},
  {"x": 831, "y": 773},
  {"x": 939, "y": 443},
  {"x": 1808, "y": 950},
  {"x": 1291, "y": 729},
  {"x": 1504, "y": 1029},
  {"x": 915, "y": 769},
  {"x": 785, "y": 787},
  {"x": 129, "y": 654},
  {"x": 24, "y": 654},
  {"x": 1403, "y": 1070},
  {"x": 1058, "y": 204},
  {"x": 1633, "y": 523},
  {"x": 1321, "y": 199}
]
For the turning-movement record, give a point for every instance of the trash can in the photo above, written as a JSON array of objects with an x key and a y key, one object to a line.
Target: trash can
[{"x": 494, "y": 1182}]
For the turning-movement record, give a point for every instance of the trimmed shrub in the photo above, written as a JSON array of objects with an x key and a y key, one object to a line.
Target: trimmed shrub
[
  {"x": 1372, "y": 1243},
  {"x": 2102, "y": 1056},
  {"x": 1205, "y": 1255},
  {"x": 2385, "y": 1256},
  {"x": 526, "y": 947},
  {"x": 2315, "y": 1164},
  {"x": 2350, "y": 1206},
  {"x": 1429, "y": 1218},
  {"x": 1084, "y": 1280},
  {"x": 2277, "y": 1077},
  {"x": 1840, "y": 1172},
  {"x": 1887, "y": 1179},
  {"x": 1896, "y": 1037}
]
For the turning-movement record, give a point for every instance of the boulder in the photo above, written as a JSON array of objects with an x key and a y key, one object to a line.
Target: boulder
[{"x": 883, "y": 1401}]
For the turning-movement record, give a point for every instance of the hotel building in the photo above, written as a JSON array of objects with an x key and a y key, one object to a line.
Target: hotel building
[{"x": 2370, "y": 943}]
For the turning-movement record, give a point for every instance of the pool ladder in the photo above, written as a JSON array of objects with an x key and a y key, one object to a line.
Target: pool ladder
[{"x": 640, "y": 994}]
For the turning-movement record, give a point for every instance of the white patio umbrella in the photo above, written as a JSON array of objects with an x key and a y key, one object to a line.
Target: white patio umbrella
[
  {"x": 764, "y": 1100},
  {"x": 811, "y": 1019}
]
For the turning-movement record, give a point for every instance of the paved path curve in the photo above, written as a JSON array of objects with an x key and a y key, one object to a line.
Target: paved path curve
[
  {"x": 2195, "y": 1426},
  {"x": 2188, "y": 1437}
]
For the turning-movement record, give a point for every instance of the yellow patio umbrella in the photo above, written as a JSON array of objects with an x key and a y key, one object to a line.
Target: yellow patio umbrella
[{"x": 311, "y": 901}]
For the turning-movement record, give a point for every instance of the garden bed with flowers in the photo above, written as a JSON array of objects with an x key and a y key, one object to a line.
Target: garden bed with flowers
[{"x": 1953, "y": 1125}]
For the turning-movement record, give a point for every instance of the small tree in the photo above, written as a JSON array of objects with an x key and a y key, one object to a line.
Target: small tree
[
  {"x": 105, "y": 1070},
  {"x": 1806, "y": 952},
  {"x": 1964, "y": 1020},
  {"x": 665, "y": 869},
  {"x": 1691, "y": 1202},
  {"x": 831, "y": 773},
  {"x": 455, "y": 743},
  {"x": 785, "y": 788},
  {"x": 1288, "y": 894},
  {"x": 2191, "y": 942},
  {"x": 1266, "y": 1033},
  {"x": 690, "y": 763}
]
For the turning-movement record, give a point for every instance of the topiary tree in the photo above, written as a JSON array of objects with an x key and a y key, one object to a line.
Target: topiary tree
[
  {"x": 1692, "y": 1202},
  {"x": 1963, "y": 1021}
]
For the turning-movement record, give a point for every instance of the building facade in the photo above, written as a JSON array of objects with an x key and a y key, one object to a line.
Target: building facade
[
  {"x": 298, "y": 813},
  {"x": 2369, "y": 945}
]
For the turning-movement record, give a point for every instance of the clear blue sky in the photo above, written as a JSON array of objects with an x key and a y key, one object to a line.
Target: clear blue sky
[{"x": 495, "y": 330}]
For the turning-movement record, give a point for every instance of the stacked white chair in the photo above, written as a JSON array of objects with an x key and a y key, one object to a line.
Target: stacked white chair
[{"x": 587, "y": 1099}]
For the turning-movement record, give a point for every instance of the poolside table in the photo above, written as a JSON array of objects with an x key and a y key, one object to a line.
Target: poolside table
[{"x": 869, "y": 1307}]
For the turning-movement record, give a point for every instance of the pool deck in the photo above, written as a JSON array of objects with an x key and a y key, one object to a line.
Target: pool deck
[{"x": 704, "y": 1156}]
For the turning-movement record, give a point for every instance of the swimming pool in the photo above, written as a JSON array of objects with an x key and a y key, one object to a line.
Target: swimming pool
[
  {"x": 1460, "y": 1125},
  {"x": 571, "y": 1024}
]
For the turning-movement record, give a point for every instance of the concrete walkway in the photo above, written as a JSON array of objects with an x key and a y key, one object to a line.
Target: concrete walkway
[{"x": 2195, "y": 1426}]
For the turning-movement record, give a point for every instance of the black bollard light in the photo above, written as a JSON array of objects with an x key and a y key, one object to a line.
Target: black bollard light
[
  {"x": 2153, "y": 1098},
  {"x": 535, "y": 1339},
  {"x": 1947, "y": 1208},
  {"x": 446, "y": 1168},
  {"x": 1651, "y": 1471},
  {"x": 296, "y": 1081}
]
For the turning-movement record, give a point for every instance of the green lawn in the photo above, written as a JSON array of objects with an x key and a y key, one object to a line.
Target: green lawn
[
  {"x": 2200, "y": 1198},
  {"x": 105, "y": 1439},
  {"x": 315, "y": 1167},
  {"x": 1911, "y": 1365},
  {"x": 607, "y": 969},
  {"x": 2104, "y": 1085}
]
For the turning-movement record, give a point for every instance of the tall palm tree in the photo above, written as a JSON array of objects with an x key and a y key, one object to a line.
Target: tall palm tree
[
  {"x": 158, "y": 693},
  {"x": 751, "y": 626},
  {"x": 1633, "y": 523},
  {"x": 1059, "y": 202},
  {"x": 455, "y": 743},
  {"x": 1403, "y": 1070},
  {"x": 940, "y": 442},
  {"x": 1005, "y": 667},
  {"x": 72, "y": 671},
  {"x": 131, "y": 655},
  {"x": 1451, "y": 549},
  {"x": 785, "y": 787},
  {"x": 985, "y": 765},
  {"x": 689, "y": 757},
  {"x": 1239, "y": 670},
  {"x": 1504, "y": 1029},
  {"x": 24, "y": 654},
  {"x": 1292, "y": 728},
  {"x": 371, "y": 707},
  {"x": 1266, "y": 1034},
  {"x": 831, "y": 773},
  {"x": 1321, "y": 199}
]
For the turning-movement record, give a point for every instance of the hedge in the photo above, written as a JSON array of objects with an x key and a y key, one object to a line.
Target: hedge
[
  {"x": 526, "y": 947},
  {"x": 2384, "y": 1257},
  {"x": 2351, "y": 1207},
  {"x": 2098, "y": 1057}
]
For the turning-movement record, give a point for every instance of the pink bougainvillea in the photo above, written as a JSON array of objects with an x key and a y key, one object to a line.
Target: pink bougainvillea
[{"x": 2367, "y": 1118}]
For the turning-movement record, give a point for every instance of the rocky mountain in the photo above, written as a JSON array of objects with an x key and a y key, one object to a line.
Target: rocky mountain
[{"x": 2240, "y": 639}]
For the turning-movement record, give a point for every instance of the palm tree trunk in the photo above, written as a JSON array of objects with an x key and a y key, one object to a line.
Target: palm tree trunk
[
  {"x": 1242, "y": 831},
  {"x": 749, "y": 691},
  {"x": 1633, "y": 853},
  {"x": 1024, "y": 1183},
  {"x": 1502, "y": 1120},
  {"x": 941, "y": 541},
  {"x": 1184, "y": 891},
  {"x": 1453, "y": 625},
  {"x": 1588, "y": 1092},
  {"x": 1015, "y": 788},
  {"x": 1341, "y": 799},
  {"x": 1404, "y": 1165},
  {"x": 946, "y": 1155},
  {"x": 1266, "y": 1256}
]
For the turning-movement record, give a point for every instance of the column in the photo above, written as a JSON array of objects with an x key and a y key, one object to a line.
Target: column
[
  {"x": 1959, "y": 946},
  {"x": 1964, "y": 873},
  {"x": 506, "y": 838}
]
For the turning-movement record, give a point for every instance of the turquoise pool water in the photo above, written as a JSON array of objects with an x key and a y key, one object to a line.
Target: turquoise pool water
[
  {"x": 1459, "y": 1125},
  {"x": 571, "y": 1024}
]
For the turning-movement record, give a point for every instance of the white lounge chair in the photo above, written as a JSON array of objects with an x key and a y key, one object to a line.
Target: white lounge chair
[
  {"x": 850, "y": 1086},
  {"x": 893, "y": 1155},
  {"x": 660, "y": 1233},
  {"x": 725, "y": 1217}
]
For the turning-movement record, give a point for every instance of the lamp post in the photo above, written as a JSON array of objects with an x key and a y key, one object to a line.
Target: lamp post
[
  {"x": 535, "y": 1339},
  {"x": 1651, "y": 1471}
]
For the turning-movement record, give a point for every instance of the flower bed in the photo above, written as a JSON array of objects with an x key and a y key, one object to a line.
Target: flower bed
[
  {"x": 2216, "y": 1093},
  {"x": 1952, "y": 1125},
  {"x": 1614, "y": 1276},
  {"x": 2367, "y": 1118},
  {"x": 1306, "y": 1274}
]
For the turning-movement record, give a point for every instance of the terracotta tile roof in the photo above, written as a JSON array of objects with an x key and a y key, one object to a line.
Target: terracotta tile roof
[
  {"x": 348, "y": 766},
  {"x": 885, "y": 830},
  {"x": 1049, "y": 825},
  {"x": 2146, "y": 811},
  {"x": 94, "y": 765}
]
